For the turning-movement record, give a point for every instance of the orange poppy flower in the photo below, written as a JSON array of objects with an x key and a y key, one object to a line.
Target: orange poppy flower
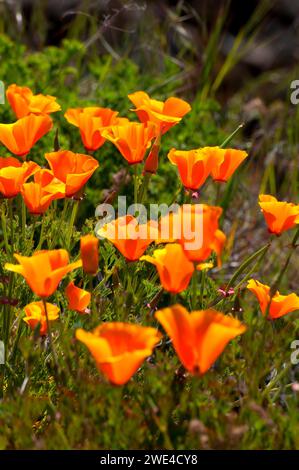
[
  {"x": 129, "y": 237},
  {"x": 195, "y": 227},
  {"x": 131, "y": 139},
  {"x": 21, "y": 136},
  {"x": 89, "y": 248},
  {"x": 193, "y": 165},
  {"x": 280, "y": 304},
  {"x": 91, "y": 121},
  {"x": 164, "y": 114},
  {"x": 198, "y": 337},
  {"x": 43, "y": 270},
  {"x": 173, "y": 266},
  {"x": 73, "y": 169},
  {"x": 279, "y": 216},
  {"x": 13, "y": 174},
  {"x": 224, "y": 162},
  {"x": 119, "y": 349},
  {"x": 24, "y": 102},
  {"x": 39, "y": 194},
  {"x": 36, "y": 315},
  {"x": 79, "y": 299}
]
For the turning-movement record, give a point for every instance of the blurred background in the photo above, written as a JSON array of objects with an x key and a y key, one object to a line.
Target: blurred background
[{"x": 250, "y": 38}]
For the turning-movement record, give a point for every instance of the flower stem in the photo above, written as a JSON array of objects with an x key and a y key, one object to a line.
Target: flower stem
[
  {"x": 50, "y": 336},
  {"x": 72, "y": 221},
  {"x": 41, "y": 236},
  {"x": 4, "y": 231},
  {"x": 135, "y": 185},
  {"x": 277, "y": 282},
  {"x": 231, "y": 136},
  {"x": 10, "y": 211}
]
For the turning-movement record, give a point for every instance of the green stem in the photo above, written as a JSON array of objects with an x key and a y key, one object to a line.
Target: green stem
[
  {"x": 71, "y": 225},
  {"x": 50, "y": 336},
  {"x": 135, "y": 184},
  {"x": 276, "y": 379},
  {"x": 23, "y": 209},
  {"x": 4, "y": 231},
  {"x": 276, "y": 284},
  {"x": 10, "y": 211},
  {"x": 144, "y": 187},
  {"x": 202, "y": 288},
  {"x": 231, "y": 136},
  {"x": 41, "y": 236}
]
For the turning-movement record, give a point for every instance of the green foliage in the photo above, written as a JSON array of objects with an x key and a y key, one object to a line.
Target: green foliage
[{"x": 239, "y": 403}]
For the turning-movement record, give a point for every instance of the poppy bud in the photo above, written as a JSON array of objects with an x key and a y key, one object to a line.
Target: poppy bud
[{"x": 89, "y": 247}]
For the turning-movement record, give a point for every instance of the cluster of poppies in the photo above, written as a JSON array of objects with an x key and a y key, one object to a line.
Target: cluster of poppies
[{"x": 120, "y": 348}]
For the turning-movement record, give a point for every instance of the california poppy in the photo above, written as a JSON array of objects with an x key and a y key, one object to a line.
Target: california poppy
[
  {"x": 196, "y": 228},
  {"x": 279, "y": 216},
  {"x": 198, "y": 337},
  {"x": 193, "y": 165},
  {"x": 39, "y": 193},
  {"x": 36, "y": 315},
  {"x": 89, "y": 248},
  {"x": 280, "y": 304},
  {"x": 43, "y": 270},
  {"x": 131, "y": 139},
  {"x": 164, "y": 114},
  {"x": 129, "y": 237},
  {"x": 119, "y": 349},
  {"x": 91, "y": 121},
  {"x": 224, "y": 162},
  {"x": 73, "y": 169},
  {"x": 24, "y": 102},
  {"x": 21, "y": 136},
  {"x": 173, "y": 266},
  {"x": 13, "y": 174},
  {"x": 78, "y": 299}
]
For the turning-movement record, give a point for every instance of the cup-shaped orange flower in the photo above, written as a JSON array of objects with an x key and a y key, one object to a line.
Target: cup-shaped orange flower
[
  {"x": 13, "y": 174},
  {"x": 131, "y": 139},
  {"x": 36, "y": 315},
  {"x": 39, "y": 193},
  {"x": 91, "y": 121},
  {"x": 224, "y": 162},
  {"x": 279, "y": 306},
  {"x": 24, "y": 102},
  {"x": 198, "y": 337},
  {"x": 73, "y": 169},
  {"x": 129, "y": 237},
  {"x": 21, "y": 136},
  {"x": 164, "y": 114},
  {"x": 193, "y": 165},
  {"x": 196, "y": 228},
  {"x": 173, "y": 266},
  {"x": 78, "y": 299},
  {"x": 279, "y": 215},
  {"x": 89, "y": 249},
  {"x": 43, "y": 270},
  {"x": 119, "y": 349}
]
